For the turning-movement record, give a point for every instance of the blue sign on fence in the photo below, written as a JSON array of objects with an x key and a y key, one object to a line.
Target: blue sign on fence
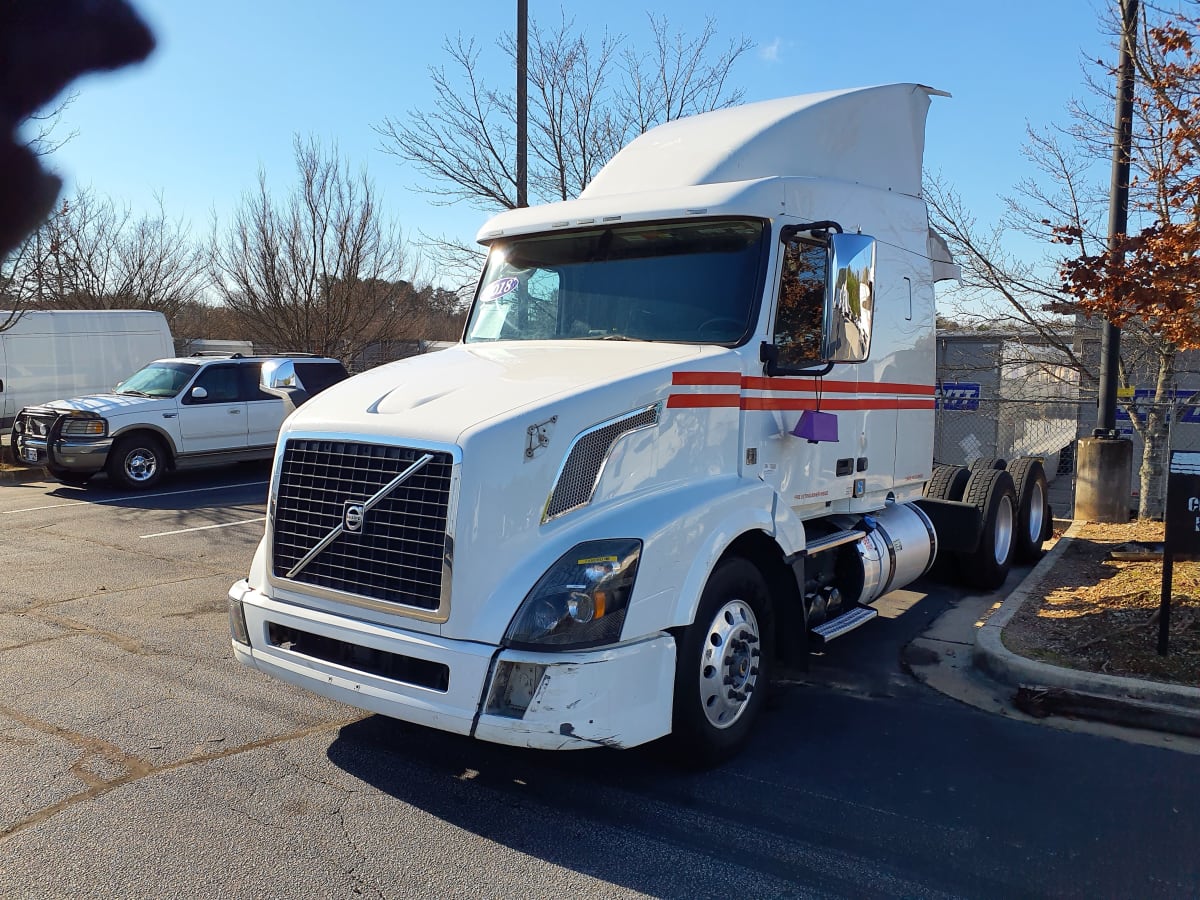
[
  {"x": 958, "y": 395},
  {"x": 1190, "y": 412}
]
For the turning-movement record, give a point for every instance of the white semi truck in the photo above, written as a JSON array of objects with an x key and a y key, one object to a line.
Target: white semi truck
[{"x": 688, "y": 432}]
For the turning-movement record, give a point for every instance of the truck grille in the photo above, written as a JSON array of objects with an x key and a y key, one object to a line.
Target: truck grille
[{"x": 396, "y": 550}]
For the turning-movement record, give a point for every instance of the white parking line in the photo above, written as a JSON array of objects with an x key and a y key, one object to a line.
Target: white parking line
[
  {"x": 127, "y": 497},
  {"x": 204, "y": 527}
]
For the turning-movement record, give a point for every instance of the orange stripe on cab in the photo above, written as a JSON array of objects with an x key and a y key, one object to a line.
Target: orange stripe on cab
[{"x": 703, "y": 401}]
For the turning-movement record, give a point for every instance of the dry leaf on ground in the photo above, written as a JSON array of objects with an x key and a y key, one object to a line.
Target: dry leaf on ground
[{"x": 1098, "y": 614}]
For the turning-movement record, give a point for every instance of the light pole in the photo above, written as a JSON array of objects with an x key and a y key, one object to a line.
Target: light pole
[
  {"x": 1104, "y": 461},
  {"x": 522, "y": 102}
]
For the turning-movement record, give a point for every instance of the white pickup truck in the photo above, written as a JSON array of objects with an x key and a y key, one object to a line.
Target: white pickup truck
[{"x": 171, "y": 414}]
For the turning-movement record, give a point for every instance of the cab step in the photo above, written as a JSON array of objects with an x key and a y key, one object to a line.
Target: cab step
[{"x": 839, "y": 625}]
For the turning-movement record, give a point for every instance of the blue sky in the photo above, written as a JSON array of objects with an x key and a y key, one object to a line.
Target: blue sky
[{"x": 232, "y": 82}]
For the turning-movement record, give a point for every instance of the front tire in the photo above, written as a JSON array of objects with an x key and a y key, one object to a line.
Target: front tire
[
  {"x": 723, "y": 665},
  {"x": 137, "y": 462}
]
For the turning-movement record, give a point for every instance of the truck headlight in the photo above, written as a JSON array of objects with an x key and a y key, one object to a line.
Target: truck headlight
[
  {"x": 581, "y": 600},
  {"x": 80, "y": 427}
]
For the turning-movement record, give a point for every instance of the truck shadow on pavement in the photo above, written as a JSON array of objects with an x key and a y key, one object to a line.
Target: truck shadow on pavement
[
  {"x": 591, "y": 811},
  {"x": 632, "y": 818}
]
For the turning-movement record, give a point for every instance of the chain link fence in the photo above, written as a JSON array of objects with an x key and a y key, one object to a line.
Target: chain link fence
[
  {"x": 974, "y": 428},
  {"x": 967, "y": 429}
]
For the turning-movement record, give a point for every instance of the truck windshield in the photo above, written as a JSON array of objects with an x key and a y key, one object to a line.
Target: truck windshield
[
  {"x": 691, "y": 282},
  {"x": 160, "y": 379}
]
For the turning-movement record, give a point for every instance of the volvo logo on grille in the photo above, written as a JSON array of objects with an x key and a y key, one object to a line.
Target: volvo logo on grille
[{"x": 352, "y": 517}]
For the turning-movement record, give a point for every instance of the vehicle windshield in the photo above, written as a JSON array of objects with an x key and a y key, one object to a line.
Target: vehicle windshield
[
  {"x": 691, "y": 282},
  {"x": 160, "y": 379}
]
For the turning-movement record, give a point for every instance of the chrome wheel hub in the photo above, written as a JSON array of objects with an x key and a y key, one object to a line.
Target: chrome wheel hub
[
  {"x": 1037, "y": 512},
  {"x": 729, "y": 663},
  {"x": 1004, "y": 530},
  {"x": 140, "y": 465}
]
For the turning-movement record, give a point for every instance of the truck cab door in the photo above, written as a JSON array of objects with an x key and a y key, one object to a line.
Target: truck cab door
[
  {"x": 212, "y": 413},
  {"x": 815, "y": 448}
]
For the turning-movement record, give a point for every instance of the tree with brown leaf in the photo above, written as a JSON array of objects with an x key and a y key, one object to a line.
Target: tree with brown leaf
[{"x": 1146, "y": 281}]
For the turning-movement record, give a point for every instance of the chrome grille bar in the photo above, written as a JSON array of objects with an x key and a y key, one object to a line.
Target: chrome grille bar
[{"x": 366, "y": 508}]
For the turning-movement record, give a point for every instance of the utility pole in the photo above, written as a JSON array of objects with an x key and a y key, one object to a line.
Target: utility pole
[
  {"x": 522, "y": 102},
  {"x": 1104, "y": 462},
  {"x": 1118, "y": 212}
]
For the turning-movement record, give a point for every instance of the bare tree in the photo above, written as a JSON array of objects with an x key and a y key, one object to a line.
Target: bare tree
[
  {"x": 321, "y": 271},
  {"x": 587, "y": 98},
  {"x": 43, "y": 128},
  {"x": 1064, "y": 209},
  {"x": 92, "y": 254},
  {"x": 41, "y": 140}
]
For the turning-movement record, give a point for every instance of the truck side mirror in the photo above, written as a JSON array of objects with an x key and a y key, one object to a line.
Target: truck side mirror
[
  {"x": 850, "y": 299},
  {"x": 826, "y": 304},
  {"x": 199, "y": 393}
]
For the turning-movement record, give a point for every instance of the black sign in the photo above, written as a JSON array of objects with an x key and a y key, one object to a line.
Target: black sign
[
  {"x": 1183, "y": 505},
  {"x": 1182, "y": 530}
]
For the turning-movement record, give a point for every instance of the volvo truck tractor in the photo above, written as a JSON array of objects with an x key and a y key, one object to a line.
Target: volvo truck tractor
[{"x": 688, "y": 433}]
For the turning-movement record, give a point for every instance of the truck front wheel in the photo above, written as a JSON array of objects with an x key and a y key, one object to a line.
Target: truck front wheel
[{"x": 723, "y": 665}]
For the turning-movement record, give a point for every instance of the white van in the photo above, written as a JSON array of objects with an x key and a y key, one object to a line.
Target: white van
[{"x": 69, "y": 353}]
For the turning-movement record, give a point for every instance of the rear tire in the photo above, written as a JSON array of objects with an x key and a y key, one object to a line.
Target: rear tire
[
  {"x": 991, "y": 492},
  {"x": 987, "y": 462},
  {"x": 723, "y": 666},
  {"x": 137, "y": 462},
  {"x": 947, "y": 482},
  {"x": 1033, "y": 512}
]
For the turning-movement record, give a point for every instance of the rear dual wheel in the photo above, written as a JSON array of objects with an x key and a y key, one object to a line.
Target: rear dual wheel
[
  {"x": 1033, "y": 510},
  {"x": 991, "y": 491},
  {"x": 947, "y": 482}
]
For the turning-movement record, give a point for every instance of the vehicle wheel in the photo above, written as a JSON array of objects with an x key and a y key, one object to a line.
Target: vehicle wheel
[
  {"x": 947, "y": 482},
  {"x": 991, "y": 492},
  {"x": 987, "y": 462},
  {"x": 723, "y": 665},
  {"x": 1029, "y": 478},
  {"x": 137, "y": 462}
]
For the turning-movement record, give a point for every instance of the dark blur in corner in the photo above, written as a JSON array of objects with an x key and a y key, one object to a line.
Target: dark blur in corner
[{"x": 44, "y": 46}]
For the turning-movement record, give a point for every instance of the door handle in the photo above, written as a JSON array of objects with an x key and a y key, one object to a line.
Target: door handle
[{"x": 234, "y": 412}]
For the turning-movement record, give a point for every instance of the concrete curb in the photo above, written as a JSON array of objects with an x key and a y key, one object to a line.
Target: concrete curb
[
  {"x": 21, "y": 476},
  {"x": 1001, "y": 664}
]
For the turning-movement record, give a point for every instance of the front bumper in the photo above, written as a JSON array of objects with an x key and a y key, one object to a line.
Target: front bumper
[
  {"x": 37, "y": 440},
  {"x": 618, "y": 696},
  {"x": 74, "y": 456}
]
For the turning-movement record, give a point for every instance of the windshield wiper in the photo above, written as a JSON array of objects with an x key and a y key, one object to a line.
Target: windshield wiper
[
  {"x": 135, "y": 393},
  {"x": 615, "y": 337}
]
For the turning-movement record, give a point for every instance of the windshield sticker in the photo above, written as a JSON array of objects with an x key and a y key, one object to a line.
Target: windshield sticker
[{"x": 498, "y": 289}]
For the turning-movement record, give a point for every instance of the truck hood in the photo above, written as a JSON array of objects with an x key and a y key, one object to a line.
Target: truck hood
[
  {"x": 440, "y": 396},
  {"x": 109, "y": 405},
  {"x": 488, "y": 401}
]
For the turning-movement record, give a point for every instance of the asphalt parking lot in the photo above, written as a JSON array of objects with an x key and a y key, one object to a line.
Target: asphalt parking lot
[{"x": 137, "y": 759}]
